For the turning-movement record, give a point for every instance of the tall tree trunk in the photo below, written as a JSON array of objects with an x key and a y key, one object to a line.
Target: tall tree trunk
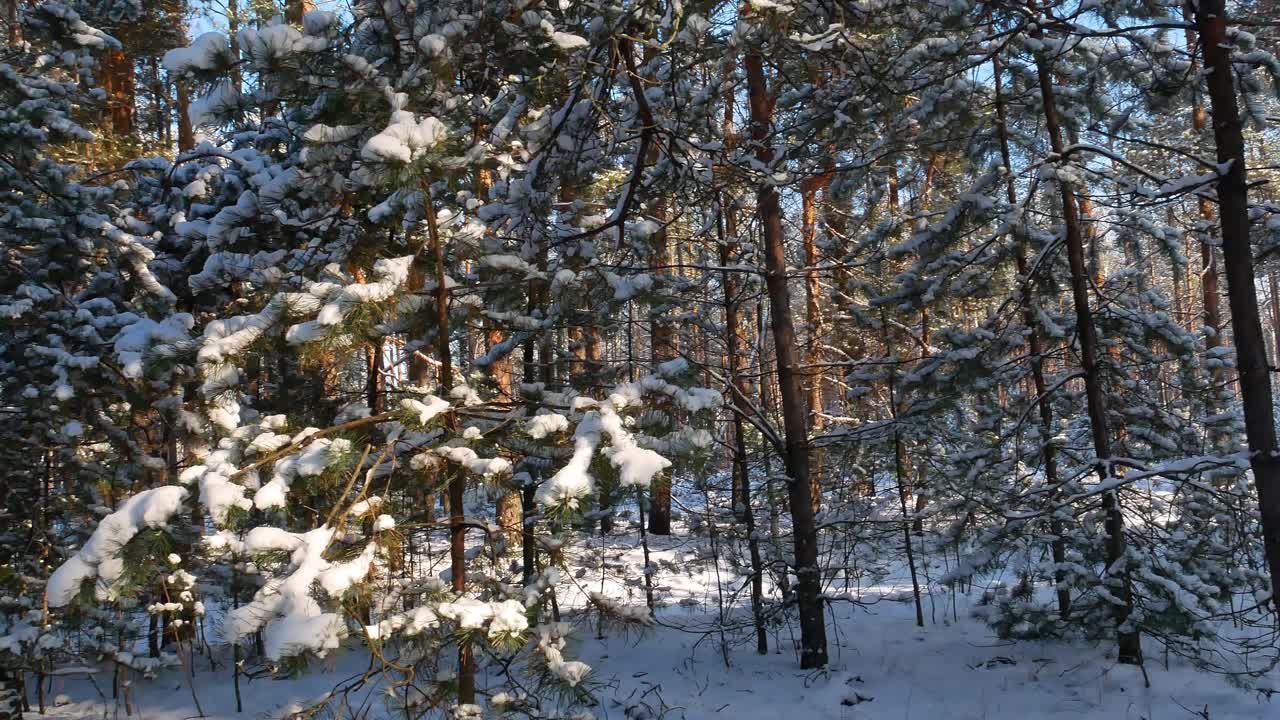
[
  {"x": 813, "y": 633},
  {"x": 457, "y": 481},
  {"x": 1035, "y": 347},
  {"x": 374, "y": 381},
  {"x": 1237, "y": 255},
  {"x": 508, "y": 511},
  {"x": 814, "y": 319},
  {"x": 186, "y": 135},
  {"x": 594, "y": 341},
  {"x": 117, "y": 79},
  {"x": 735, "y": 345},
  {"x": 734, "y": 322},
  {"x": 295, "y": 10},
  {"x": 920, "y": 479},
  {"x": 1275, "y": 316},
  {"x": 663, "y": 343},
  {"x": 420, "y": 375},
  {"x": 159, "y": 99},
  {"x": 1209, "y": 294},
  {"x": 11, "y": 19},
  {"x": 1129, "y": 641},
  {"x": 529, "y": 550}
]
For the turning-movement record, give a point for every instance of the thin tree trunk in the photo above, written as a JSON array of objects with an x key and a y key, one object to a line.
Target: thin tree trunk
[
  {"x": 233, "y": 42},
  {"x": 814, "y": 319},
  {"x": 594, "y": 369},
  {"x": 1210, "y": 297},
  {"x": 1275, "y": 316},
  {"x": 902, "y": 468},
  {"x": 457, "y": 483},
  {"x": 1246, "y": 323},
  {"x": 663, "y": 343},
  {"x": 529, "y": 558},
  {"x": 741, "y": 407},
  {"x": 813, "y": 633},
  {"x": 1129, "y": 642},
  {"x": 160, "y": 113},
  {"x": 1035, "y": 349},
  {"x": 920, "y": 480},
  {"x": 374, "y": 384}
]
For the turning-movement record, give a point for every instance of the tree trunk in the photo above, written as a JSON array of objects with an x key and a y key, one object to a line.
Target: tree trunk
[
  {"x": 813, "y": 633},
  {"x": 457, "y": 481},
  {"x": 233, "y": 42},
  {"x": 920, "y": 479},
  {"x": 1246, "y": 323},
  {"x": 1129, "y": 642},
  {"x": 813, "y": 318},
  {"x": 663, "y": 344},
  {"x": 529, "y": 557},
  {"x": 508, "y": 509},
  {"x": 295, "y": 10},
  {"x": 1275, "y": 316},
  {"x": 735, "y": 326},
  {"x": 117, "y": 79},
  {"x": 1208, "y": 258},
  {"x": 11, "y": 18},
  {"x": 741, "y": 483},
  {"x": 159, "y": 99},
  {"x": 374, "y": 381},
  {"x": 420, "y": 375},
  {"x": 1048, "y": 452},
  {"x": 186, "y": 135}
]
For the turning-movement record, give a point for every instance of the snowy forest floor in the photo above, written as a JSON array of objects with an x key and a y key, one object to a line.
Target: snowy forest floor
[{"x": 882, "y": 665}]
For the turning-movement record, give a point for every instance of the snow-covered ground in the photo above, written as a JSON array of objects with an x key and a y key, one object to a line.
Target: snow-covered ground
[{"x": 882, "y": 665}]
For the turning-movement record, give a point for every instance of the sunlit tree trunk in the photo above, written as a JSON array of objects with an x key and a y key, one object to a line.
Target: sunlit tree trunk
[
  {"x": 295, "y": 10},
  {"x": 116, "y": 76},
  {"x": 1130, "y": 646},
  {"x": 1209, "y": 294},
  {"x": 1035, "y": 345},
  {"x": 456, "y": 480},
  {"x": 663, "y": 338},
  {"x": 814, "y": 320},
  {"x": 813, "y": 634}
]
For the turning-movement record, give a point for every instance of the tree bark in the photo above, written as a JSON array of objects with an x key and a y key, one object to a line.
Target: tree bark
[
  {"x": 528, "y": 549},
  {"x": 663, "y": 343},
  {"x": 1035, "y": 346},
  {"x": 741, "y": 483},
  {"x": 11, "y": 18},
  {"x": 508, "y": 509},
  {"x": 1209, "y": 295},
  {"x": 295, "y": 10},
  {"x": 117, "y": 79},
  {"x": 1129, "y": 641},
  {"x": 814, "y": 319},
  {"x": 374, "y": 383},
  {"x": 813, "y": 634},
  {"x": 1246, "y": 322},
  {"x": 1275, "y": 316},
  {"x": 457, "y": 483}
]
